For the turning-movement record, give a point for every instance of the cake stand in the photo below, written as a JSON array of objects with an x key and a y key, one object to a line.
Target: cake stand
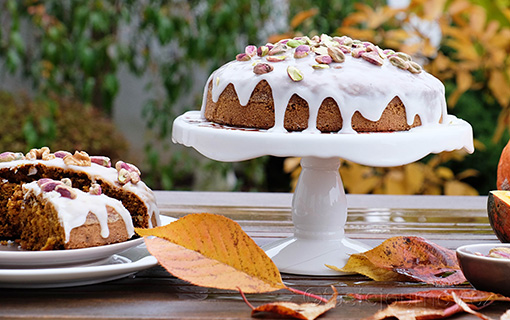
[{"x": 319, "y": 205}]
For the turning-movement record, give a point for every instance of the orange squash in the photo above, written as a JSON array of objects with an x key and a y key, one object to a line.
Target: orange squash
[
  {"x": 498, "y": 208},
  {"x": 503, "y": 174}
]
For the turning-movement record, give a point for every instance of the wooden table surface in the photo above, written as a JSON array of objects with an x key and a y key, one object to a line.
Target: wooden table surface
[{"x": 155, "y": 294}]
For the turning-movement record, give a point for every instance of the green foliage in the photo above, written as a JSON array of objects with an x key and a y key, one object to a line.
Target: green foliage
[
  {"x": 60, "y": 124},
  {"x": 74, "y": 49}
]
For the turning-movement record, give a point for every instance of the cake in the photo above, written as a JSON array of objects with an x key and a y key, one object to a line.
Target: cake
[
  {"x": 54, "y": 215},
  {"x": 323, "y": 84},
  {"x": 85, "y": 173}
]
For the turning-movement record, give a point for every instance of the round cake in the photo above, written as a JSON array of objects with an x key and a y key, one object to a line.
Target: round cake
[{"x": 323, "y": 84}]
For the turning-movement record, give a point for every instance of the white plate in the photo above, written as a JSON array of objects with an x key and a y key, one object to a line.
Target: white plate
[
  {"x": 115, "y": 267},
  {"x": 12, "y": 257}
]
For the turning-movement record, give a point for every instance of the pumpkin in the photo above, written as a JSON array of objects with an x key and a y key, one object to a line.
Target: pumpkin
[
  {"x": 498, "y": 208},
  {"x": 503, "y": 174}
]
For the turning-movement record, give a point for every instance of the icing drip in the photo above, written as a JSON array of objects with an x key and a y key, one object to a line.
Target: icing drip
[
  {"x": 355, "y": 85},
  {"x": 98, "y": 173},
  {"x": 73, "y": 212}
]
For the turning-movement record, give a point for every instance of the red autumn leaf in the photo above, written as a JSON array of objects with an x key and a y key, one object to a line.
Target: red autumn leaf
[
  {"x": 414, "y": 257},
  {"x": 305, "y": 311},
  {"x": 467, "y": 308},
  {"x": 447, "y": 295}
]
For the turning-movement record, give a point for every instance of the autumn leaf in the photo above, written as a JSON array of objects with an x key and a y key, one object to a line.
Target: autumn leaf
[
  {"x": 306, "y": 311},
  {"x": 432, "y": 304},
  {"x": 447, "y": 295},
  {"x": 416, "y": 310},
  {"x": 213, "y": 251},
  {"x": 414, "y": 257}
]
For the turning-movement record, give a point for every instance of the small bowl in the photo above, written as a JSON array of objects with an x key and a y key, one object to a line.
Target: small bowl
[{"x": 485, "y": 273}]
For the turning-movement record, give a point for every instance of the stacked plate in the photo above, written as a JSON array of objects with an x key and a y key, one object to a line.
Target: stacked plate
[{"x": 65, "y": 268}]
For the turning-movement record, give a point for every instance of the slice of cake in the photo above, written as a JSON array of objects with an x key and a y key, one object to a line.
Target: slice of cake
[
  {"x": 121, "y": 182},
  {"x": 53, "y": 215},
  {"x": 323, "y": 84}
]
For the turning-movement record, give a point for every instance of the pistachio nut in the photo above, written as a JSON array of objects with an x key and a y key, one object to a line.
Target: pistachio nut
[
  {"x": 320, "y": 66},
  {"x": 388, "y": 52},
  {"x": 414, "y": 67},
  {"x": 123, "y": 176},
  {"x": 49, "y": 186},
  {"x": 301, "y": 51},
  {"x": 276, "y": 50},
  {"x": 134, "y": 177},
  {"x": 398, "y": 62},
  {"x": 127, "y": 166},
  {"x": 62, "y": 154},
  {"x": 66, "y": 191},
  {"x": 322, "y": 51},
  {"x": 373, "y": 57},
  {"x": 324, "y": 59},
  {"x": 67, "y": 182},
  {"x": 403, "y": 56},
  {"x": 357, "y": 52},
  {"x": 243, "y": 57},
  {"x": 336, "y": 54},
  {"x": 261, "y": 68},
  {"x": 294, "y": 43},
  {"x": 275, "y": 58},
  {"x": 251, "y": 50},
  {"x": 345, "y": 49},
  {"x": 262, "y": 51},
  {"x": 101, "y": 160},
  {"x": 95, "y": 189},
  {"x": 294, "y": 73},
  {"x": 7, "y": 156}
]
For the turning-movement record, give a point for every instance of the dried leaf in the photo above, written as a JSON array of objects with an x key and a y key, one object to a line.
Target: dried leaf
[
  {"x": 446, "y": 295},
  {"x": 417, "y": 310},
  {"x": 414, "y": 257},
  {"x": 213, "y": 251},
  {"x": 358, "y": 263},
  {"x": 467, "y": 308},
  {"x": 306, "y": 311}
]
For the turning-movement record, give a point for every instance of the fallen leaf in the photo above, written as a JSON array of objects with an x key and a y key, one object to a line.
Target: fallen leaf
[
  {"x": 446, "y": 295},
  {"x": 306, "y": 311},
  {"x": 414, "y": 257},
  {"x": 467, "y": 308},
  {"x": 416, "y": 310},
  {"x": 359, "y": 263},
  {"x": 213, "y": 251}
]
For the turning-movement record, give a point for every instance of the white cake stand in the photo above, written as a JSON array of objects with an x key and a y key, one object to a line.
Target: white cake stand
[{"x": 319, "y": 206}]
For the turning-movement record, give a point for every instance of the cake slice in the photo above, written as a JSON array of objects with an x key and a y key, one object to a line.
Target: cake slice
[{"x": 53, "y": 215}]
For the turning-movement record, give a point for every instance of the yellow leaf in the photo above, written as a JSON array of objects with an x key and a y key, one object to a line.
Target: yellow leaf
[
  {"x": 477, "y": 19},
  {"x": 414, "y": 177},
  {"x": 498, "y": 84},
  {"x": 394, "y": 182},
  {"x": 302, "y": 16},
  {"x": 213, "y": 251},
  {"x": 359, "y": 263},
  {"x": 458, "y": 188},
  {"x": 433, "y": 9},
  {"x": 444, "y": 173}
]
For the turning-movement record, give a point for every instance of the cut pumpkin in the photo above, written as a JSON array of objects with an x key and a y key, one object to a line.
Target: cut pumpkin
[
  {"x": 498, "y": 209},
  {"x": 503, "y": 173}
]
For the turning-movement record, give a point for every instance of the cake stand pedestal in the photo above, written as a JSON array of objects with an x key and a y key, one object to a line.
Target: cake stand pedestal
[{"x": 319, "y": 205}]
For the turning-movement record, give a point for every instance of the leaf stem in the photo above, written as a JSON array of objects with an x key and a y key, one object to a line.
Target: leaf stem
[
  {"x": 244, "y": 298},
  {"x": 307, "y": 294}
]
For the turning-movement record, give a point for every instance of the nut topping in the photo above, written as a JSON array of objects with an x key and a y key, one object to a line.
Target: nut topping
[
  {"x": 81, "y": 159},
  {"x": 261, "y": 68},
  {"x": 294, "y": 73},
  {"x": 101, "y": 160}
]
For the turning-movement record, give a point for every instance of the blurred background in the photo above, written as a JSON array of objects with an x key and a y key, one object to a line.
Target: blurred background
[{"x": 109, "y": 77}]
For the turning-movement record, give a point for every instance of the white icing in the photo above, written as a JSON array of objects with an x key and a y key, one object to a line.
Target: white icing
[
  {"x": 355, "y": 85},
  {"x": 97, "y": 172},
  {"x": 73, "y": 213}
]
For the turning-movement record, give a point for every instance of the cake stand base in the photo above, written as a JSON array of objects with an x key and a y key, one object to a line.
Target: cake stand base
[
  {"x": 310, "y": 256},
  {"x": 319, "y": 214}
]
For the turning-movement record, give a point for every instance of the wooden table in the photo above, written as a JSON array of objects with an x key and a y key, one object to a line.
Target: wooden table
[{"x": 155, "y": 294}]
